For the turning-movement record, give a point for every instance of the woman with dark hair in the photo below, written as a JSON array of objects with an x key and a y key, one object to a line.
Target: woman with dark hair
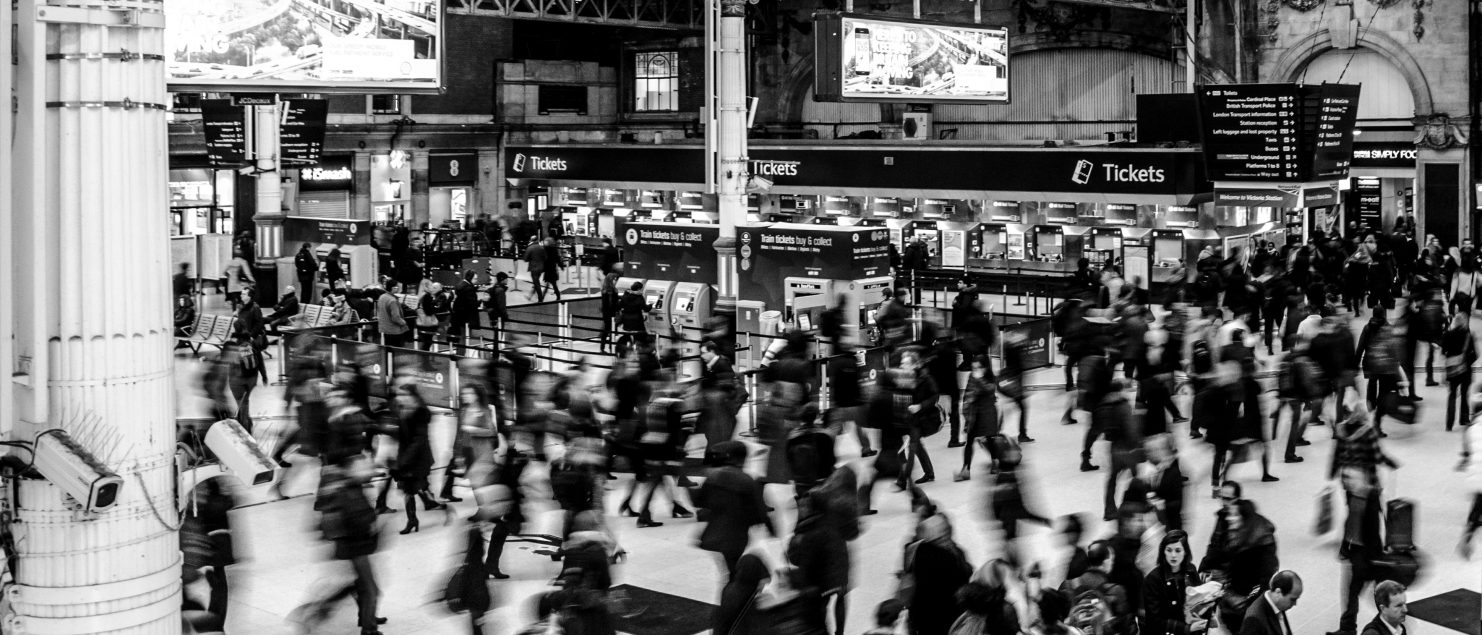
[
  {"x": 986, "y": 609},
  {"x": 1165, "y": 589},
  {"x": 414, "y": 454},
  {"x": 1242, "y": 552},
  {"x": 935, "y": 568}
]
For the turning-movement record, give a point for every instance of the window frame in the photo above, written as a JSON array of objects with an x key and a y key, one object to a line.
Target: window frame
[{"x": 640, "y": 59}]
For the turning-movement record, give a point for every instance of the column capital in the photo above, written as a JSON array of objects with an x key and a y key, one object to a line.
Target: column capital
[{"x": 733, "y": 8}]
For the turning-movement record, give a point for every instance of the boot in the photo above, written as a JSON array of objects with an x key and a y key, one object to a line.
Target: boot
[
  {"x": 1087, "y": 466},
  {"x": 961, "y": 475}
]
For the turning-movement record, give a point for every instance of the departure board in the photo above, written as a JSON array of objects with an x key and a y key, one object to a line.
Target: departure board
[
  {"x": 225, "y": 129},
  {"x": 1252, "y": 132},
  {"x": 1330, "y": 112}
]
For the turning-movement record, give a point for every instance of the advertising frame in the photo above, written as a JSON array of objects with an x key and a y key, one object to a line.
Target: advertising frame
[
  {"x": 356, "y": 87},
  {"x": 829, "y": 51}
]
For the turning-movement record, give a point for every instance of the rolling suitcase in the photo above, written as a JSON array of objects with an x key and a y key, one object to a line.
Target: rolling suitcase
[{"x": 1399, "y": 525}]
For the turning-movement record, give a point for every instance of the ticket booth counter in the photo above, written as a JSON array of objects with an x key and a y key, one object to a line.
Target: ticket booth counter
[
  {"x": 805, "y": 301},
  {"x": 1049, "y": 244},
  {"x": 1103, "y": 245},
  {"x": 1167, "y": 251},
  {"x": 1137, "y": 253}
]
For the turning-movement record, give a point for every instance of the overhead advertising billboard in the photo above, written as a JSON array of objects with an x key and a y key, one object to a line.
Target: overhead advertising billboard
[
  {"x": 321, "y": 46},
  {"x": 872, "y": 59}
]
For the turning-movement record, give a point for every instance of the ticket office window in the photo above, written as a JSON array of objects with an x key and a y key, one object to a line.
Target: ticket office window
[
  {"x": 1050, "y": 246},
  {"x": 1167, "y": 251}
]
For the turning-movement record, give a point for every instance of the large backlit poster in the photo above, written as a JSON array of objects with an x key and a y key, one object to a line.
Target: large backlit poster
[
  {"x": 870, "y": 59},
  {"x": 320, "y": 45}
]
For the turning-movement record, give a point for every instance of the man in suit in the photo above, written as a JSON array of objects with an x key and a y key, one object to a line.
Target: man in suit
[
  {"x": 1267, "y": 615},
  {"x": 1389, "y": 598}
]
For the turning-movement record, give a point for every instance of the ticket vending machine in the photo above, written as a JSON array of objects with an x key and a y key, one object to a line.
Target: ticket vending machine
[
  {"x": 359, "y": 262},
  {"x": 657, "y": 294},
  {"x": 805, "y": 300},
  {"x": 690, "y": 307},
  {"x": 865, "y": 297}
]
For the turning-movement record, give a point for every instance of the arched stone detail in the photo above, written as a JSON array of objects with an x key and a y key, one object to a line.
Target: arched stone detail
[{"x": 1294, "y": 61}]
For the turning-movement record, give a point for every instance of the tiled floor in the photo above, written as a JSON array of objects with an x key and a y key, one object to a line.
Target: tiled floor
[{"x": 282, "y": 560}]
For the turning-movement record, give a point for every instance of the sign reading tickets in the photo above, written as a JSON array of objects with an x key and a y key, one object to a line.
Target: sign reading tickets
[
  {"x": 874, "y": 59},
  {"x": 358, "y": 46},
  {"x": 669, "y": 251},
  {"x": 773, "y": 253}
]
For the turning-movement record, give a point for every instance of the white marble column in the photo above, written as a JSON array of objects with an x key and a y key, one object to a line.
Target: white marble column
[{"x": 89, "y": 244}]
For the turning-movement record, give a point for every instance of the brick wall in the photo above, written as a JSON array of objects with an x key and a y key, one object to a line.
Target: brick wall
[{"x": 474, "y": 45}]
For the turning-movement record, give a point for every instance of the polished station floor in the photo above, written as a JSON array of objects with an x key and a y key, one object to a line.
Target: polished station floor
[{"x": 281, "y": 561}]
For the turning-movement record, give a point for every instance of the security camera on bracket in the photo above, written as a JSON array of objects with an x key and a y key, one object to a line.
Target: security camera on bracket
[
  {"x": 237, "y": 454},
  {"x": 68, "y": 465}
]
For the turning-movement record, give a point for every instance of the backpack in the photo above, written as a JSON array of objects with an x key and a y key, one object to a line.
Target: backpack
[
  {"x": 1200, "y": 357},
  {"x": 1379, "y": 359},
  {"x": 1207, "y": 282},
  {"x": 807, "y": 459}
]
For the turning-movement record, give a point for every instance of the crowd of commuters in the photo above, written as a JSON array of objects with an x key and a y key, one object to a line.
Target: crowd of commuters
[{"x": 1128, "y": 360}]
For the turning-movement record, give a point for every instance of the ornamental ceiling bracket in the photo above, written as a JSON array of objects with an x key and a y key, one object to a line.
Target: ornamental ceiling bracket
[
  {"x": 1303, "y": 5},
  {"x": 1419, "y": 30},
  {"x": 1269, "y": 19}
]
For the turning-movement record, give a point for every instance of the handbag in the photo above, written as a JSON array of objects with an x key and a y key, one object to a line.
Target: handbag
[
  {"x": 1401, "y": 407},
  {"x": 1324, "y": 522},
  {"x": 425, "y": 321}
]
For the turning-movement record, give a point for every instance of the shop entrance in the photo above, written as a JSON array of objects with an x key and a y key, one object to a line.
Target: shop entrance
[{"x": 448, "y": 206}]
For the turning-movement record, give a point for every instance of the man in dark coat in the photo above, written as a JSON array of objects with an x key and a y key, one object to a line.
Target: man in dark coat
[
  {"x": 1389, "y": 598},
  {"x": 1267, "y": 614},
  {"x": 333, "y": 271},
  {"x": 610, "y": 256},
  {"x": 465, "y": 314},
  {"x": 307, "y": 267},
  {"x": 733, "y": 500}
]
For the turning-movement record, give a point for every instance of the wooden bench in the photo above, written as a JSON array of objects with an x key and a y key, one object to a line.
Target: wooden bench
[{"x": 209, "y": 330}]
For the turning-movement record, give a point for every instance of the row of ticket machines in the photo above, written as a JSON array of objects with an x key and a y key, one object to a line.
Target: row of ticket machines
[
  {"x": 687, "y": 305},
  {"x": 805, "y": 300},
  {"x": 683, "y": 305}
]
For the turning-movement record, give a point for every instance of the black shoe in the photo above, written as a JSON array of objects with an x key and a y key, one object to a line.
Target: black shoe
[
  {"x": 1416, "y": 397},
  {"x": 1292, "y": 459},
  {"x": 432, "y": 505},
  {"x": 383, "y": 510},
  {"x": 645, "y": 523},
  {"x": 681, "y": 512},
  {"x": 869, "y": 512},
  {"x": 1267, "y": 478},
  {"x": 1067, "y": 422},
  {"x": 452, "y": 499},
  {"x": 498, "y": 575},
  {"x": 284, "y": 464},
  {"x": 955, "y": 444},
  {"x": 868, "y": 453},
  {"x": 1180, "y": 419},
  {"x": 1432, "y": 382},
  {"x": 1302, "y": 442},
  {"x": 1086, "y": 466},
  {"x": 1069, "y": 387},
  {"x": 627, "y": 512},
  {"x": 925, "y": 479},
  {"x": 411, "y": 527},
  {"x": 1196, "y": 435},
  {"x": 1024, "y": 438}
]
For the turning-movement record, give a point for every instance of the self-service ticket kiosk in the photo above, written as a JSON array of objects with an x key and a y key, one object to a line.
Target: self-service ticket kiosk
[
  {"x": 359, "y": 262},
  {"x": 691, "y": 305},
  {"x": 657, "y": 294},
  {"x": 805, "y": 300},
  {"x": 864, "y": 300}
]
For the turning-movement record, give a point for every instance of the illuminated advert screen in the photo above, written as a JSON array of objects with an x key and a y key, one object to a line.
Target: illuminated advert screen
[
  {"x": 869, "y": 59},
  {"x": 319, "y": 45}
]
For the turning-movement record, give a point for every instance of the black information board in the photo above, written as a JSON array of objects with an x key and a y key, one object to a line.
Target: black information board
[
  {"x": 1368, "y": 197},
  {"x": 1251, "y": 132},
  {"x": 301, "y": 131},
  {"x": 1278, "y": 132},
  {"x": 1334, "y": 112},
  {"x": 226, "y": 133}
]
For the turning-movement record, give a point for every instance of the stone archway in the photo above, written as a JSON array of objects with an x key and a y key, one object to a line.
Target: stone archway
[{"x": 1290, "y": 66}]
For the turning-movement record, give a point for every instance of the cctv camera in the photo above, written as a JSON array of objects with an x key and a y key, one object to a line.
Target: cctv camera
[
  {"x": 238, "y": 453},
  {"x": 71, "y": 467}
]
